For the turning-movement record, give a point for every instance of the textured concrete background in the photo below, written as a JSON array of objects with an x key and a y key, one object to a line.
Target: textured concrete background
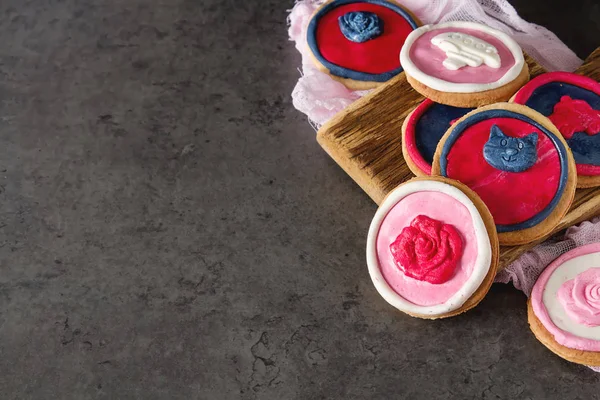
[{"x": 170, "y": 229}]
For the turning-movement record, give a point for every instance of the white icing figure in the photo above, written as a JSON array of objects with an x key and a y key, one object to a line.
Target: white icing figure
[{"x": 463, "y": 49}]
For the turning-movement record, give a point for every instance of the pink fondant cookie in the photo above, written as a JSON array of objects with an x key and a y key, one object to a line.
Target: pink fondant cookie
[
  {"x": 463, "y": 64},
  {"x": 564, "y": 307},
  {"x": 572, "y": 103},
  {"x": 517, "y": 162},
  {"x": 432, "y": 248}
]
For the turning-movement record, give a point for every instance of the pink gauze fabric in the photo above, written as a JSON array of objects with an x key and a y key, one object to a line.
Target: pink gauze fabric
[
  {"x": 320, "y": 97},
  {"x": 525, "y": 270}
]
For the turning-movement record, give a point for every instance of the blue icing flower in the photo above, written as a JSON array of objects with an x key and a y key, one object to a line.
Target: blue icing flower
[
  {"x": 360, "y": 26},
  {"x": 508, "y": 153}
]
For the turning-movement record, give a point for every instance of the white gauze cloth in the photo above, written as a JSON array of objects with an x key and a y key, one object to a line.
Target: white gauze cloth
[{"x": 320, "y": 97}]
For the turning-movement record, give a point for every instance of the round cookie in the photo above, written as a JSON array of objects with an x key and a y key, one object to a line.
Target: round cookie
[
  {"x": 515, "y": 159},
  {"x": 564, "y": 307},
  {"x": 423, "y": 129},
  {"x": 357, "y": 42},
  {"x": 572, "y": 103},
  {"x": 463, "y": 64},
  {"x": 432, "y": 248}
]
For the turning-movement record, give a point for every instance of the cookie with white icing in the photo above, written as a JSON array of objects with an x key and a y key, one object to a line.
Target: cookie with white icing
[
  {"x": 463, "y": 64},
  {"x": 518, "y": 163},
  {"x": 357, "y": 42},
  {"x": 432, "y": 248},
  {"x": 564, "y": 307},
  {"x": 572, "y": 103}
]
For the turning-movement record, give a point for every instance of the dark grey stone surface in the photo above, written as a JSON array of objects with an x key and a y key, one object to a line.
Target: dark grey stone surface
[{"x": 170, "y": 229}]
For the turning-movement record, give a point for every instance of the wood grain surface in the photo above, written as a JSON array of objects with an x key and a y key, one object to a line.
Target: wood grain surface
[{"x": 365, "y": 140}]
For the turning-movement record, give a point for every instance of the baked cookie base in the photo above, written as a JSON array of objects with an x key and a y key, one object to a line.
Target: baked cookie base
[
  {"x": 477, "y": 99},
  {"x": 349, "y": 83},
  {"x": 589, "y": 358}
]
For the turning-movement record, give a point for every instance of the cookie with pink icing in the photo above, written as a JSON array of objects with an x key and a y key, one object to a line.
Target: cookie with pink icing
[
  {"x": 432, "y": 248},
  {"x": 463, "y": 64},
  {"x": 564, "y": 307}
]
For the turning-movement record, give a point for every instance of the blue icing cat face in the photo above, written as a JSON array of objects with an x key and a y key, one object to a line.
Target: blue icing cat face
[
  {"x": 360, "y": 26},
  {"x": 510, "y": 154}
]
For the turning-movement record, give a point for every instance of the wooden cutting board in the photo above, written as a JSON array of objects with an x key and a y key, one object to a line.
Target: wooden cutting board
[{"x": 366, "y": 141}]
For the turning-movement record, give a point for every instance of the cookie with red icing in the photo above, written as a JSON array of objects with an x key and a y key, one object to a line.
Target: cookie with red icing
[
  {"x": 572, "y": 103},
  {"x": 432, "y": 248},
  {"x": 423, "y": 129},
  {"x": 358, "y": 41},
  {"x": 517, "y": 162},
  {"x": 564, "y": 307},
  {"x": 463, "y": 64}
]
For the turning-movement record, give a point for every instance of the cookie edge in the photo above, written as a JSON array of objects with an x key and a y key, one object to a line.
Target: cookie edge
[
  {"x": 353, "y": 84},
  {"x": 490, "y": 227},
  {"x": 475, "y": 99},
  {"x": 588, "y": 358}
]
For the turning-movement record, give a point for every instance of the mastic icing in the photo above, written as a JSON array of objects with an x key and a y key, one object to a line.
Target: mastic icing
[
  {"x": 424, "y": 129},
  {"x": 374, "y": 60},
  {"x": 508, "y": 195},
  {"x": 570, "y": 317},
  {"x": 429, "y": 59},
  {"x": 572, "y": 102},
  {"x": 463, "y": 49},
  {"x": 425, "y": 61},
  {"x": 359, "y": 26},
  {"x": 586, "y": 150},
  {"x": 438, "y": 201},
  {"x": 571, "y": 116},
  {"x": 427, "y": 250},
  {"x": 510, "y": 154},
  {"x": 580, "y": 297}
]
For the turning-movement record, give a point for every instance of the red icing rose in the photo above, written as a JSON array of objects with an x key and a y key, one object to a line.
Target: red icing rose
[
  {"x": 571, "y": 116},
  {"x": 427, "y": 250}
]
